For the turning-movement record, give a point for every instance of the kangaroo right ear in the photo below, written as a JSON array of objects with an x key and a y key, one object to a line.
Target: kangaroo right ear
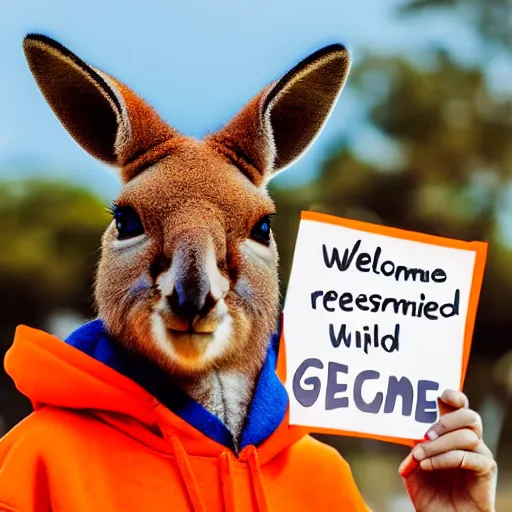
[
  {"x": 104, "y": 116},
  {"x": 279, "y": 125}
]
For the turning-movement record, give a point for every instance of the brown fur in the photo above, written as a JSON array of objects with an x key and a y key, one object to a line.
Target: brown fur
[{"x": 198, "y": 202}]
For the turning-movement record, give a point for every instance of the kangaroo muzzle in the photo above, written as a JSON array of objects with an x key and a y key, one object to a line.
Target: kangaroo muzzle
[
  {"x": 191, "y": 298},
  {"x": 197, "y": 286}
]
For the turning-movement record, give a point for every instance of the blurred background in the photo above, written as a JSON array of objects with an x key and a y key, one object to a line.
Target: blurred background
[{"x": 421, "y": 139}]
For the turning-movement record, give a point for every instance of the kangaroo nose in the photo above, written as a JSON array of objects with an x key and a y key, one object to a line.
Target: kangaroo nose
[{"x": 191, "y": 299}]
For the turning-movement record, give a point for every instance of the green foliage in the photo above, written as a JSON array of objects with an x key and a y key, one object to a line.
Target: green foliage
[{"x": 52, "y": 232}]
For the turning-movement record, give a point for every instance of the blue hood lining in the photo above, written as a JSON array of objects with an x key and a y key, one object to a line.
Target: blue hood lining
[{"x": 266, "y": 412}]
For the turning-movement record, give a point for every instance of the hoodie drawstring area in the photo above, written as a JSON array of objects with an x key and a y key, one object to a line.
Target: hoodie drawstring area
[
  {"x": 225, "y": 465},
  {"x": 228, "y": 492},
  {"x": 250, "y": 455},
  {"x": 185, "y": 469},
  {"x": 257, "y": 480}
]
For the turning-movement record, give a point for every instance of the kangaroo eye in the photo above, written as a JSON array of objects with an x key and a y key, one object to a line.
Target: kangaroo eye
[
  {"x": 261, "y": 231},
  {"x": 128, "y": 223}
]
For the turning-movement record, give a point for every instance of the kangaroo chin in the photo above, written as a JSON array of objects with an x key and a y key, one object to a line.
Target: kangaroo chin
[
  {"x": 193, "y": 350},
  {"x": 188, "y": 275}
]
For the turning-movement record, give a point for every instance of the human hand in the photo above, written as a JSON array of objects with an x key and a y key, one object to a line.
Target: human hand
[{"x": 452, "y": 470}]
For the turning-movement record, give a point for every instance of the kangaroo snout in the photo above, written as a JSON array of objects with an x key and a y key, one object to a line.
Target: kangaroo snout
[
  {"x": 193, "y": 288},
  {"x": 191, "y": 299}
]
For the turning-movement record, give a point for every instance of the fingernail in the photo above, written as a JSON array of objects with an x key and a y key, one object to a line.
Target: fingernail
[
  {"x": 418, "y": 453},
  {"x": 431, "y": 434},
  {"x": 434, "y": 431}
]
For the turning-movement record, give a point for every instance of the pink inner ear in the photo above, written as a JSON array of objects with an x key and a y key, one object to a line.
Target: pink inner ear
[
  {"x": 279, "y": 124},
  {"x": 104, "y": 116},
  {"x": 298, "y": 113},
  {"x": 75, "y": 97}
]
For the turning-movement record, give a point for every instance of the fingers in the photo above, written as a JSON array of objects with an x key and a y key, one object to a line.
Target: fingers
[
  {"x": 454, "y": 441},
  {"x": 408, "y": 466},
  {"x": 449, "y": 422},
  {"x": 451, "y": 399},
  {"x": 480, "y": 464},
  {"x": 462, "y": 439}
]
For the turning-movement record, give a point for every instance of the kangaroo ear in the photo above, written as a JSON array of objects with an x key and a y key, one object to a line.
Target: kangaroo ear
[
  {"x": 105, "y": 117},
  {"x": 281, "y": 122}
]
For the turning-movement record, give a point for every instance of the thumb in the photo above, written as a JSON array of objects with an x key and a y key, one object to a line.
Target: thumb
[{"x": 444, "y": 407}]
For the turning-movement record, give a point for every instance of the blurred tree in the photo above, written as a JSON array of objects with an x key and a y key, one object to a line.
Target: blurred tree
[
  {"x": 52, "y": 232},
  {"x": 491, "y": 18}
]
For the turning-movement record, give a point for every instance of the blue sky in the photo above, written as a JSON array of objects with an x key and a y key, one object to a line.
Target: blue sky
[{"x": 197, "y": 62}]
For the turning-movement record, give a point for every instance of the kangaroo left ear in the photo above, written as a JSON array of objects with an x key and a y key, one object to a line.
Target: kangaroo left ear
[
  {"x": 281, "y": 123},
  {"x": 105, "y": 117}
]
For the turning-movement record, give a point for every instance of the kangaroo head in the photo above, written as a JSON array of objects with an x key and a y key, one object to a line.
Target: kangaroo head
[{"x": 188, "y": 275}]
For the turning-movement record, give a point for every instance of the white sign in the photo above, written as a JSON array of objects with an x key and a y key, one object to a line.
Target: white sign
[{"x": 377, "y": 323}]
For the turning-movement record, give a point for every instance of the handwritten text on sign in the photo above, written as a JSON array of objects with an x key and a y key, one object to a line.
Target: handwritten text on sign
[{"x": 374, "y": 329}]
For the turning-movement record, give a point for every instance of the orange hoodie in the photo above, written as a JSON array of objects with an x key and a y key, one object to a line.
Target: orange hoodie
[{"x": 101, "y": 439}]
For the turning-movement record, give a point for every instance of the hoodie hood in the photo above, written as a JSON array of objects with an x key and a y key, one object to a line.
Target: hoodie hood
[{"x": 90, "y": 371}]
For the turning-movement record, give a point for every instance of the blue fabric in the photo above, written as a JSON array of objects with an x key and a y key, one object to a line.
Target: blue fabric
[{"x": 266, "y": 412}]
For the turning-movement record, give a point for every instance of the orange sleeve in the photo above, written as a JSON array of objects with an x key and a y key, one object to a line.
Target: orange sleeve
[{"x": 23, "y": 479}]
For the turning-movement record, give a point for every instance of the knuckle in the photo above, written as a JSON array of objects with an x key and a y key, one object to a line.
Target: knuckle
[
  {"x": 488, "y": 467},
  {"x": 435, "y": 462},
  {"x": 471, "y": 439},
  {"x": 427, "y": 464},
  {"x": 456, "y": 398},
  {"x": 425, "y": 450},
  {"x": 485, "y": 451},
  {"x": 458, "y": 458},
  {"x": 474, "y": 421},
  {"x": 474, "y": 417},
  {"x": 428, "y": 450},
  {"x": 464, "y": 400}
]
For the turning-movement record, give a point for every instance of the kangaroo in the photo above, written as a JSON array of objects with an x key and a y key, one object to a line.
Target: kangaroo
[
  {"x": 171, "y": 399},
  {"x": 188, "y": 275}
]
